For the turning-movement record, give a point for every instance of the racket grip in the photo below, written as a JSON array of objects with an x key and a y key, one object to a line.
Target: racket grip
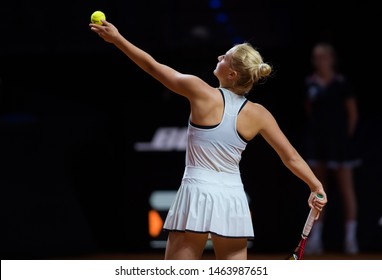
[{"x": 310, "y": 220}]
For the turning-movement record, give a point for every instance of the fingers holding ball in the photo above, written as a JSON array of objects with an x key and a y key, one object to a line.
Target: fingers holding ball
[{"x": 97, "y": 17}]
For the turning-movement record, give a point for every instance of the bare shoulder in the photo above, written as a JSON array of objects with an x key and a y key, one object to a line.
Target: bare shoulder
[
  {"x": 252, "y": 119},
  {"x": 194, "y": 87},
  {"x": 255, "y": 110},
  {"x": 257, "y": 114}
]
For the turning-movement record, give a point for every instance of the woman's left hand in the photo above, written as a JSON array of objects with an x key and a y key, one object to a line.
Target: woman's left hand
[{"x": 106, "y": 31}]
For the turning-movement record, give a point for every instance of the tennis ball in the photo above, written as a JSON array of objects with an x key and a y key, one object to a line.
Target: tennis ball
[{"x": 97, "y": 16}]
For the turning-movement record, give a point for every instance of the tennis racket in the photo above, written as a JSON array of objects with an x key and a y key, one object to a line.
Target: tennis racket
[{"x": 298, "y": 253}]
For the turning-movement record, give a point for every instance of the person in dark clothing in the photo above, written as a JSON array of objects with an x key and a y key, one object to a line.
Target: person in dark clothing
[{"x": 332, "y": 118}]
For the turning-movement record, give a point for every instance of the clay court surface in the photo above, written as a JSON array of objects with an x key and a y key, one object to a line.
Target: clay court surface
[{"x": 210, "y": 256}]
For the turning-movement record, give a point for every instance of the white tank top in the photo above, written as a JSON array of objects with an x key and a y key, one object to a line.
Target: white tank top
[{"x": 220, "y": 147}]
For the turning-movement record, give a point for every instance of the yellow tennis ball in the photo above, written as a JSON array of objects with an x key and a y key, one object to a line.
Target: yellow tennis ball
[{"x": 97, "y": 16}]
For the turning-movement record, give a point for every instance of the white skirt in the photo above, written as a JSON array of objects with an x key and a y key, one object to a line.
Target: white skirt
[{"x": 210, "y": 202}]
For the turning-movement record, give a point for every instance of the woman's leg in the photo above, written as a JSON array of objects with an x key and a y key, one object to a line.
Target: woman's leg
[
  {"x": 347, "y": 191},
  {"x": 185, "y": 245},
  {"x": 229, "y": 248}
]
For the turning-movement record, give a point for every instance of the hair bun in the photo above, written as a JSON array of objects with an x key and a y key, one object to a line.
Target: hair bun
[{"x": 264, "y": 70}]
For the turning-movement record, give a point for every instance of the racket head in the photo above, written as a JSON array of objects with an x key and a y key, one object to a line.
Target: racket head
[
  {"x": 298, "y": 253},
  {"x": 292, "y": 257}
]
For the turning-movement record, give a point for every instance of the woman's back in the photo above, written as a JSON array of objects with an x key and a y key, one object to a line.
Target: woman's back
[{"x": 218, "y": 147}]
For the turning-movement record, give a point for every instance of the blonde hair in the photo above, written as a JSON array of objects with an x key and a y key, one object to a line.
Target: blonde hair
[{"x": 249, "y": 65}]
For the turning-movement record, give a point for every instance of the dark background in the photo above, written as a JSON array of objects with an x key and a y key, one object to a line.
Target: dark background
[{"x": 72, "y": 107}]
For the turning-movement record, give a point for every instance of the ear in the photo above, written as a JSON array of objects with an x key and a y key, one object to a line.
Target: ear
[{"x": 232, "y": 75}]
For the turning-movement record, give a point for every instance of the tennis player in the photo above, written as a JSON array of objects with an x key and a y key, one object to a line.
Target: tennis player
[{"x": 211, "y": 201}]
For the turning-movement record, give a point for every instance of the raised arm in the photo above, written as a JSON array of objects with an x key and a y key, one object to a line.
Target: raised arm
[{"x": 187, "y": 85}]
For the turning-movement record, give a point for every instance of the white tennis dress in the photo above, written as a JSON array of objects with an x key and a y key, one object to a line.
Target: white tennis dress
[{"x": 211, "y": 197}]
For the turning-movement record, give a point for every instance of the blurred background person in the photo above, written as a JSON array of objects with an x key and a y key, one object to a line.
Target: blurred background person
[{"x": 331, "y": 122}]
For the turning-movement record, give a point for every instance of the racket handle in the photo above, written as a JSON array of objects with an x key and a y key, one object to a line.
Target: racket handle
[{"x": 311, "y": 218}]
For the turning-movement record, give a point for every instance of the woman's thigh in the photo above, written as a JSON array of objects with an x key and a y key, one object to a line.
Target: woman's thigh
[{"x": 185, "y": 245}]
